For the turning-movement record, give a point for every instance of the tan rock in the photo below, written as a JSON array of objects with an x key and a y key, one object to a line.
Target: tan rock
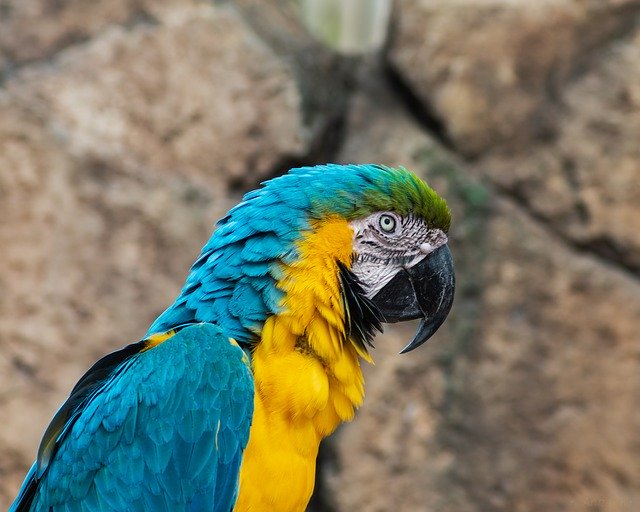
[
  {"x": 176, "y": 96},
  {"x": 550, "y": 392},
  {"x": 37, "y": 29},
  {"x": 586, "y": 182},
  {"x": 492, "y": 70}
]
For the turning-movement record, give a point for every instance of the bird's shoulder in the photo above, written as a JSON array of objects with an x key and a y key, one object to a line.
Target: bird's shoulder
[{"x": 163, "y": 407}]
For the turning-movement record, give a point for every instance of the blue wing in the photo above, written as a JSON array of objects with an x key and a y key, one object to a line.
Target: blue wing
[{"x": 157, "y": 427}]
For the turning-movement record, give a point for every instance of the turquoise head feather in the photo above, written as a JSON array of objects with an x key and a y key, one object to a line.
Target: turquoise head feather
[{"x": 233, "y": 282}]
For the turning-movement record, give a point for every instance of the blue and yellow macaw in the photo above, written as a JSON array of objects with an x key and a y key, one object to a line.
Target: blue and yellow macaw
[{"x": 223, "y": 404}]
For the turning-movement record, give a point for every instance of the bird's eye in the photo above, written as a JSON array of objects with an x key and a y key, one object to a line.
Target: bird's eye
[{"x": 387, "y": 223}]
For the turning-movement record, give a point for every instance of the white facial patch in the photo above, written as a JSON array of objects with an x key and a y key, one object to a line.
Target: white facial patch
[
  {"x": 382, "y": 252},
  {"x": 436, "y": 238}
]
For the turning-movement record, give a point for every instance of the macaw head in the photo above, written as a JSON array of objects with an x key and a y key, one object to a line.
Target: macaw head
[{"x": 356, "y": 244}]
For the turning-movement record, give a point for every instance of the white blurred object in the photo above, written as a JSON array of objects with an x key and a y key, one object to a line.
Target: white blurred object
[{"x": 348, "y": 26}]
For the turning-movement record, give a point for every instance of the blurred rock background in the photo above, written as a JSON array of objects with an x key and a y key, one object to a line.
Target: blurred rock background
[{"x": 128, "y": 126}]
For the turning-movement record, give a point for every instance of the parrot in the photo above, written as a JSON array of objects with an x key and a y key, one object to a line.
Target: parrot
[{"x": 222, "y": 405}]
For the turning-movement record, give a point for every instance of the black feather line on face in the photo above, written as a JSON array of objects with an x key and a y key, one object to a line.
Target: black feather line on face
[{"x": 362, "y": 317}]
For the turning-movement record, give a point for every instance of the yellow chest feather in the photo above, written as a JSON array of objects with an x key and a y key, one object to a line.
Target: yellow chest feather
[{"x": 307, "y": 377}]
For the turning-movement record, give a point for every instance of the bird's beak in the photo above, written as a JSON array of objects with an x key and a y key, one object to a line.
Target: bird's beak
[{"x": 424, "y": 291}]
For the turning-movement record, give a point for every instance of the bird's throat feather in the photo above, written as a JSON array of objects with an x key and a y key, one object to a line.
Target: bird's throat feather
[{"x": 307, "y": 375}]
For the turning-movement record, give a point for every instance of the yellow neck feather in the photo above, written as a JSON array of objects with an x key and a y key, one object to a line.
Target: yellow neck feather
[{"x": 307, "y": 376}]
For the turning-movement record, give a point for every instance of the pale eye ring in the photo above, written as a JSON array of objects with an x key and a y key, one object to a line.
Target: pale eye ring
[{"x": 387, "y": 223}]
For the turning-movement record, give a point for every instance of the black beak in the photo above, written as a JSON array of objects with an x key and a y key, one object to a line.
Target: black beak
[{"x": 423, "y": 291}]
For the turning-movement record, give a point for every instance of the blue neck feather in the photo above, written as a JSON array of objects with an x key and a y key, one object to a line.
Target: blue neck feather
[{"x": 233, "y": 282}]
